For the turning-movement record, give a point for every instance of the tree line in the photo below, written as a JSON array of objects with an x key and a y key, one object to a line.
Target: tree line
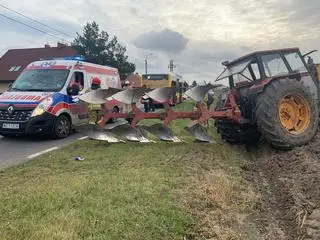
[{"x": 100, "y": 48}]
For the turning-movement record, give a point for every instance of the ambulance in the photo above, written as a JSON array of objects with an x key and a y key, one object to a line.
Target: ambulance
[{"x": 40, "y": 100}]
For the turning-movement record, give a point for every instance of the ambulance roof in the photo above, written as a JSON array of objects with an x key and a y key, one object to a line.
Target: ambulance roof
[{"x": 66, "y": 63}]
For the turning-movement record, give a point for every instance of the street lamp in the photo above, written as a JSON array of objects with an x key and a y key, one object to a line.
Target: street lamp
[{"x": 146, "y": 62}]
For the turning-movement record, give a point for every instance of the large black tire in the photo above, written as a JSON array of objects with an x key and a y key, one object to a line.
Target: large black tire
[
  {"x": 237, "y": 133},
  {"x": 62, "y": 127},
  {"x": 268, "y": 117}
]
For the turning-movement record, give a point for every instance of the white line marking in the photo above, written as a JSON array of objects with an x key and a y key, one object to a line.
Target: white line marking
[
  {"x": 83, "y": 138},
  {"x": 42, "y": 152}
]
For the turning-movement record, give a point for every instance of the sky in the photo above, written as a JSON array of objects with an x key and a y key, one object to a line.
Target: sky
[{"x": 197, "y": 35}]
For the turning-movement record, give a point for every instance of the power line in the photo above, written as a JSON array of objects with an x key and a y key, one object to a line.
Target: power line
[
  {"x": 34, "y": 28},
  {"x": 34, "y": 20}
]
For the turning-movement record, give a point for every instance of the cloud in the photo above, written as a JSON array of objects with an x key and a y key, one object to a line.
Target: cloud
[
  {"x": 197, "y": 36},
  {"x": 167, "y": 41}
]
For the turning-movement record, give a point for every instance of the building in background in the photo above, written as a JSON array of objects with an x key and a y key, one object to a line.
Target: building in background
[{"x": 14, "y": 61}]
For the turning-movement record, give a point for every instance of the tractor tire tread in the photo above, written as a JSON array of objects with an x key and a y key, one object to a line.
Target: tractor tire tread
[{"x": 266, "y": 113}]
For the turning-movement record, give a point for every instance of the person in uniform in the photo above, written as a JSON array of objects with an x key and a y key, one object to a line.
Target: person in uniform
[{"x": 95, "y": 83}]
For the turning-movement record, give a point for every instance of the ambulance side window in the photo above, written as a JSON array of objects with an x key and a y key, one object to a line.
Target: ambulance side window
[
  {"x": 76, "y": 84},
  {"x": 79, "y": 78}
]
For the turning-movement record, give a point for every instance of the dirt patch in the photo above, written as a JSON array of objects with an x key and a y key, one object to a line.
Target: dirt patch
[{"x": 289, "y": 183}]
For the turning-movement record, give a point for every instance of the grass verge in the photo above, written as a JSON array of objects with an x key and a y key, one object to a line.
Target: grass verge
[{"x": 130, "y": 191}]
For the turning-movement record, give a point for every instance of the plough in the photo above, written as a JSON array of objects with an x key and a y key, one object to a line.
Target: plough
[
  {"x": 280, "y": 104},
  {"x": 129, "y": 130}
]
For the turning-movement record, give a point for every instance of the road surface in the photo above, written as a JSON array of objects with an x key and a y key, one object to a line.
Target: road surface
[{"x": 14, "y": 151}]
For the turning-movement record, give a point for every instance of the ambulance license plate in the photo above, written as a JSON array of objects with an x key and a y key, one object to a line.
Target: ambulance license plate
[{"x": 10, "y": 125}]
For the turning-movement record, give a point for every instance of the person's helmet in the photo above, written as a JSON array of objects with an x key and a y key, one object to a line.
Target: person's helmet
[
  {"x": 96, "y": 81},
  {"x": 126, "y": 82}
]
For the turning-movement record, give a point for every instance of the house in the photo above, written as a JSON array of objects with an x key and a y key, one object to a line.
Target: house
[{"x": 14, "y": 61}]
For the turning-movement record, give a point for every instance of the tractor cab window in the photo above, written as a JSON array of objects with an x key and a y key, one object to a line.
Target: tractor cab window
[
  {"x": 244, "y": 72},
  {"x": 295, "y": 62},
  {"x": 274, "y": 65},
  {"x": 251, "y": 72},
  {"x": 255, "y": 70}
]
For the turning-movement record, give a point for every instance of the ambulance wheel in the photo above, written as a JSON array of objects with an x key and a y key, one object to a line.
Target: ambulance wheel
[{"x": 62, "y": 127}]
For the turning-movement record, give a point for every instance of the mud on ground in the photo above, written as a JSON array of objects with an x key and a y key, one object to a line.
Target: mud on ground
[{"x": 289, "y": 184}]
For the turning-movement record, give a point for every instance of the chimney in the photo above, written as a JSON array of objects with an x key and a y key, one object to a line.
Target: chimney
[
  {"x": 61, "y": 45},
  {"x": 47, "y": 46}
]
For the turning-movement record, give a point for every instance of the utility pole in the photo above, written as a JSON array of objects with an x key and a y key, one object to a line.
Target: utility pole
[
  {"x": 171, "y": 66},
  {"x": 146, "y": 62}
]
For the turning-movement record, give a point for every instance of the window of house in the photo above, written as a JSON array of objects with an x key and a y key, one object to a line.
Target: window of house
[
  {"x": 17, "y": 69},
  {"x": 14, "y": 69}
]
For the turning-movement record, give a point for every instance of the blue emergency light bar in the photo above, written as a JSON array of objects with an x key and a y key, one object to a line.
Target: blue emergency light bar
[{"x": 75, "y": 58}]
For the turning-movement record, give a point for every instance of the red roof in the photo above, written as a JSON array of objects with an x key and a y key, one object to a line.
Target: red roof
[{"x": 22, "y": 57}]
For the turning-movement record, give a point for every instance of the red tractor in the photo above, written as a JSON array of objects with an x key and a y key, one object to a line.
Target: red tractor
[{"x": 273, "y": 94}]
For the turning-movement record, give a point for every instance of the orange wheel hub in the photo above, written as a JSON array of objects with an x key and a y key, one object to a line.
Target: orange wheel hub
[{"x": 294, "y": 113}]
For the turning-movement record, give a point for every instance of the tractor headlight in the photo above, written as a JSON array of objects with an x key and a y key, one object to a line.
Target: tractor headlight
[{"x": 42, "y": 107}]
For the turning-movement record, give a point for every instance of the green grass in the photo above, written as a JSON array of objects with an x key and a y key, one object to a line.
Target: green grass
[{"x": 129, "y": 191}]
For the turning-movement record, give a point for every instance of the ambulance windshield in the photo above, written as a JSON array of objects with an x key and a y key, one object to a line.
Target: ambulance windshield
[{"x": 41, "y": 80}]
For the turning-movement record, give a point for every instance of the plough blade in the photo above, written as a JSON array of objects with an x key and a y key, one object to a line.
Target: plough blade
[
  {"x": 130, "y": 96},
  {"x": 115, "y": 124},
  {"x": 198, "y": 93},
  {"x": 129, "y": 133},
  {"x": 100, "y": 134},
  {"x": 161, "y": 94},
  {"x": 199, "y": 133},
  {"x": 162, "y": 132},
  {"x": 98, "y": 96}
]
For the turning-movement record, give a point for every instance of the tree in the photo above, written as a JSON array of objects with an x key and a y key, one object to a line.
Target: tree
[{"x": 99, "y": 48}]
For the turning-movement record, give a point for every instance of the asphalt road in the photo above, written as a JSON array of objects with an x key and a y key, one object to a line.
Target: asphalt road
[
  {"x": 14, "y": 151},
  {"x": 17, "y": 150}
]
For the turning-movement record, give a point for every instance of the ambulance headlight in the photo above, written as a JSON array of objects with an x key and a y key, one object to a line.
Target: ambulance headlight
[{"x": 42, "y": 107}]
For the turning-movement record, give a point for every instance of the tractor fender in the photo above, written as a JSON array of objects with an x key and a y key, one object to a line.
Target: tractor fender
[{"x": 259, "y": 85}]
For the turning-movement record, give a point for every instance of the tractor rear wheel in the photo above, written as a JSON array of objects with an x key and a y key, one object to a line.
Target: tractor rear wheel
[{"x": 287, "y": 114}]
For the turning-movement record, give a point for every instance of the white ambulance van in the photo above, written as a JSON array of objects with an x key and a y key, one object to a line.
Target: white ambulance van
[{"x": 39, "y": 101}]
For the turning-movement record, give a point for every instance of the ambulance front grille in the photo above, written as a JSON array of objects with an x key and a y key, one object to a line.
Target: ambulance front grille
[{"x": 17, "y": 115}]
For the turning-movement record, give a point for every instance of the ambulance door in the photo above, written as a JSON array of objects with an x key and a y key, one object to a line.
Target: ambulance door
[{"x": 79, "y": 108}]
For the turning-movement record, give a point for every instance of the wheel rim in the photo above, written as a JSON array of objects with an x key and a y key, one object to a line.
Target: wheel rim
[
  {"x": 295, "y": 114},
  {"x": 63, "y": 127}
]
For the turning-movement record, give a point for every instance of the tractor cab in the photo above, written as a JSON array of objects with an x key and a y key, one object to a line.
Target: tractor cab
[{"x": 258, "y": 69}]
